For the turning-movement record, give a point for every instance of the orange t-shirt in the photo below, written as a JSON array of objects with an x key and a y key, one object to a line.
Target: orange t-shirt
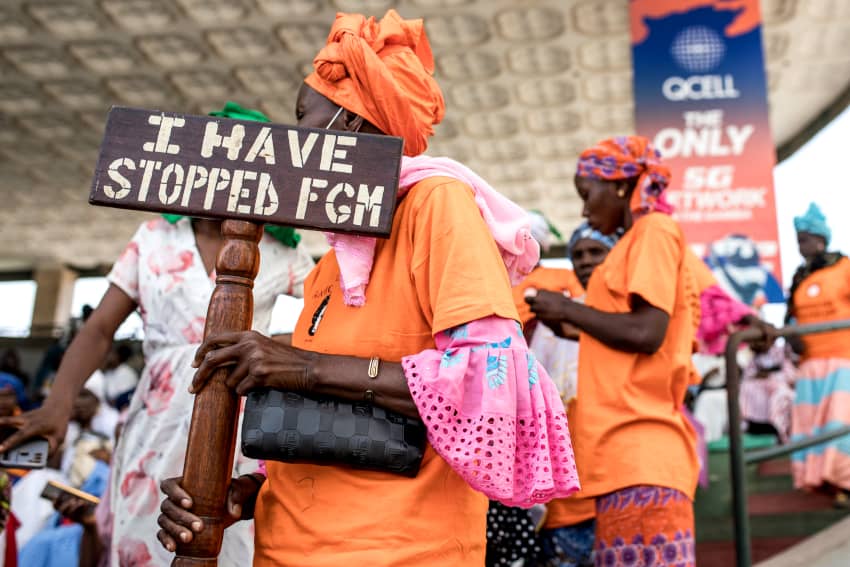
[
  {"x": 439, "y": 268},
  {"x": 552, "y": 279},
  {"x": 628, "y": 426},
  {"x": 702, "y": 273},
  {"x": 560, "y": 512},
  {"x": 825, "y": 296},
  {"x": 576, "y": 508}
]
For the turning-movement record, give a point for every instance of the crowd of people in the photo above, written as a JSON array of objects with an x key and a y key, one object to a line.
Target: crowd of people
[{"x": 554, "y": 400}]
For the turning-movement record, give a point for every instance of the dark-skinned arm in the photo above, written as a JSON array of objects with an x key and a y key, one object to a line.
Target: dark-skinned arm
[
  {"x": 84, "y": 355},
  {"x": 83, "y": 513},
  {"x": 794, "y": 341},
  {"x": 284, "y": 338},
  {"x": 641, "y": 330},
  {"x": 257, "y": 361},
  {"x": 347, "y": 377}
]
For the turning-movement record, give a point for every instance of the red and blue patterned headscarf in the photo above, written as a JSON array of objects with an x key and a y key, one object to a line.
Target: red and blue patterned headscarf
[{"x": 625, "y": 157}]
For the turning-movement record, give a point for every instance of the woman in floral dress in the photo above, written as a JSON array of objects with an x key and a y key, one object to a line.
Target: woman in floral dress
[{"x": 167, "y": 272}]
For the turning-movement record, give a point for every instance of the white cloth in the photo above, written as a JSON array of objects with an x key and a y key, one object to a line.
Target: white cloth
[
  {"x": 29, "y": 507},
  {"x": 119, "y": 380},
  {"x": 560, "y": 359},
  {"x": 710, "y": 410},
  {"x": 106, "y": 418},
  {"x": 162, "y": 270},
  {"x": 96, "y": 385},
  {"x": 104, "y": 421}
]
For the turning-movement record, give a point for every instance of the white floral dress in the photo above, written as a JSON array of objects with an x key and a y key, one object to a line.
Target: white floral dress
[{"x": 161, "y": 269}]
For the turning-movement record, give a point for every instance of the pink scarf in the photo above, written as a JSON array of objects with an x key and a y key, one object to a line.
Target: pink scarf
[{"x": 506, "y": 220}]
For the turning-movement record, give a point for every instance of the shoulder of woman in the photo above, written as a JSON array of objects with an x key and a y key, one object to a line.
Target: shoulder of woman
[
  {"x": 658, "y": 223},
  {"x": 438, "y": 189}
]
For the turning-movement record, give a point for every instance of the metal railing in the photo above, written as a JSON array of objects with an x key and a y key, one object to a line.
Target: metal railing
[{"x": 737, "y": 459}]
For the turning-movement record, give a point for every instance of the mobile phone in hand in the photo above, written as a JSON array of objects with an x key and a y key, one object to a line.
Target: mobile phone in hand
[{"x": 31, "y": 454}]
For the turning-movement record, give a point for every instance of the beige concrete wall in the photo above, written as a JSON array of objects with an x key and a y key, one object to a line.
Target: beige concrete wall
[{"x": 55, "y": 287}]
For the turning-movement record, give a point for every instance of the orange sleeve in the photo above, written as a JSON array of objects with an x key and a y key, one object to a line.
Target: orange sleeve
[
  {"x": 457, "y": 269},
  {"x": 652, "y": 267},
  {"x": 552, "y": 279},
  {"x": 523, "y": 309},
  {"x": 705, "y": 279},
  {"x": 573, "y": 285}
]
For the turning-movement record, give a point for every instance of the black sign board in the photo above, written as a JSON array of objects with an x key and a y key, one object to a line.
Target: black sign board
[{"x": 215, "y": 167}]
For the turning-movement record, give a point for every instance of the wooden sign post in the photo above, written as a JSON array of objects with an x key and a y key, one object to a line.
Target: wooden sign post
[{"x": 248, "y": 173}]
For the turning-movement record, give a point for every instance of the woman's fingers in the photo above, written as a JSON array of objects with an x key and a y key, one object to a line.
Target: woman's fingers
[
  {"x": 14, "y": 439},
  {"x": 242, "y": 496},
  {"x": 166, "y": 540},
  {"x": 12, "y": 421},
  {"x": 182, "y": 519},
  {"x": 215, "y": 342},
  {"x": 249, "y": 383},
  {"x": 172, "y": 533},
  {"x": 175, "y": 493},
  {"x": 213, "y": 361},
  {"x": 546, "y": 304},
  {"x": 26, "y": 432},
  {"x": 237, "y": 374},
  {"x": 176, "y": 522}
]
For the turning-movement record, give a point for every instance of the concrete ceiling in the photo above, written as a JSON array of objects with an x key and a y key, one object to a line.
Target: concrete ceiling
[{"x": 528, "y": 84}]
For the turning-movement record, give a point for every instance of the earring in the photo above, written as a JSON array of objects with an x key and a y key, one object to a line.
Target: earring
[{"x": 621, "y": 193}]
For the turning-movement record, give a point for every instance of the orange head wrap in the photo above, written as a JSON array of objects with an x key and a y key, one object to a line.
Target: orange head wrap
[{"x": 382, "y": 71}]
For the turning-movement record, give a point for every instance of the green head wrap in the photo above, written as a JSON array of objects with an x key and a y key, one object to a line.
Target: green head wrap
[{"x": 286, "y": 235}]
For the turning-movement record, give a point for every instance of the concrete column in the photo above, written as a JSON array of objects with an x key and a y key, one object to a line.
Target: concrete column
[{"x": 52, "y": 309}]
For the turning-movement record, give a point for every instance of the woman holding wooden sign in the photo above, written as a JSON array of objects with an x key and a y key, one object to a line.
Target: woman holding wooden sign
[
  {"x": 419, "y": 326},
  {"x": 167, "y": 273}
]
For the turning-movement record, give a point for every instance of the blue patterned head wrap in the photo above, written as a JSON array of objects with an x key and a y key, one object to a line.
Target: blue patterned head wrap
[
  {"x": 813, "y": 222},
  {"x": 586, "y": 231}
]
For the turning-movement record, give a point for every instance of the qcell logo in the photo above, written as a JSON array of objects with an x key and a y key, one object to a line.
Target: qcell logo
[
  {"x": 698, "y": 49},
  {"x": 700, "y": 87}
]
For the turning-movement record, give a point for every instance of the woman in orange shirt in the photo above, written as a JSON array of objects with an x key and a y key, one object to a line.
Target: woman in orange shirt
[
  {"x": 421, "y": 323},
  {"x": 819, "y": 293},
  {"x": 568, "y": 532},
  {"x": 543, "y": 277},
  {"x": 635, "y": 449}
]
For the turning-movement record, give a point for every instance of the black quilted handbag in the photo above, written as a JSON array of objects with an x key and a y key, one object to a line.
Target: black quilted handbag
[{"x": 294, "y": 428}]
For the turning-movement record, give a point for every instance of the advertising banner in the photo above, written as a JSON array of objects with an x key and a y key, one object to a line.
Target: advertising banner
[{"x": 701, "y": 97}]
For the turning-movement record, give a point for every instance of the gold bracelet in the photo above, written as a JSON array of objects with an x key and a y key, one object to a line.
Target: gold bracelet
[{"x": 374, "y": 367}]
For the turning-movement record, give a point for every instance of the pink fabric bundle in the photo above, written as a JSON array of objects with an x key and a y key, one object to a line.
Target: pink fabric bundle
[
  {"x": 505, "y": 219},
  {"x": 718, "y": 312},
  {"x": 493, "y": 413}
]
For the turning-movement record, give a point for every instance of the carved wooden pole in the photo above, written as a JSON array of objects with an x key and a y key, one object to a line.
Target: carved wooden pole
[{"x": 212, "y": 435}]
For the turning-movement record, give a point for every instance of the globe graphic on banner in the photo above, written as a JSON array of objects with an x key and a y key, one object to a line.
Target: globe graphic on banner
[{"x": 698, "y": 49}]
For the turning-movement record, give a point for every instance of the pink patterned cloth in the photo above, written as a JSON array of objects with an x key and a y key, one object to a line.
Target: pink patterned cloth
[
  {"x": 103, "y": 520},
  {"x": 506, "y": 220},
  {"x": 493, "y": 413},
  {"x": 719, "y": 311},
  {"x": 767, "y": 390}
]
